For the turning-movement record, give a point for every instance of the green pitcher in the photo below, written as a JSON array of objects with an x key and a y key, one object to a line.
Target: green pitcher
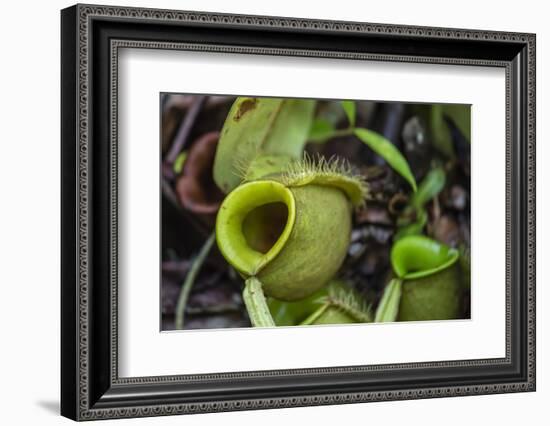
[{"x": 430, "y": 276}]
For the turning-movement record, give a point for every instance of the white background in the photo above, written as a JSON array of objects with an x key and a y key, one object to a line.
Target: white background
[
  {"x": 143, "y": 351},
  {"x": 29, "y": 215}
]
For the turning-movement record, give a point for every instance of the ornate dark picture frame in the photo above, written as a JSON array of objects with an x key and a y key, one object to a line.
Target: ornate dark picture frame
[{"x": 91, "y": 36}]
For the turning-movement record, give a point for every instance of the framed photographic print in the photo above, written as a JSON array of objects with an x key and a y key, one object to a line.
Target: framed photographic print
[{"x": 264, "y": 212}]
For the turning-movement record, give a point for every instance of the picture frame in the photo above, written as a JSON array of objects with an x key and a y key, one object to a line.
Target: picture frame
[{"x": 91, "y": 37}]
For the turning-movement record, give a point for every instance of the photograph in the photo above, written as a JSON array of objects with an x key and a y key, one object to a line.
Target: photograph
[
  {"x": 264, "y": 211},
  {"x": 279, "y": 212}
]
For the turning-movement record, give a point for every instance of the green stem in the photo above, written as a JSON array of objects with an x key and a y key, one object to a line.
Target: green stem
[
  {"x": 190, "y": 279},
  {"x": 342, "y": 132},
  {"x": 311, "y": 319},
  {"x": 256, "y": 305},
  {"x": 388, "y": 308}
]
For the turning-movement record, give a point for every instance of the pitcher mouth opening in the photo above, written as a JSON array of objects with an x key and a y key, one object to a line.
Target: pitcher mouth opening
[
  {"x": 254, "y": 223},
  {"x": 418, "y": 256}
]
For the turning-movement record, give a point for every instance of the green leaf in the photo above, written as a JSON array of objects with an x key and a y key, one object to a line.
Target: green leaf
[
  {"x": 260, "y": 126},
  {"x": 385, "y": 149},
  {"x": 414, "y": 228},
  {"x": 441, "y": 133},
  {"x": 460, "y": 115},
  {"x": 432, "y": 184},
  {"x": 388, "y": 308},
  {"x": 293, "y": 313},
  {"x": 321, "y": 131},
  {"x": 349, "y": 108}
]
